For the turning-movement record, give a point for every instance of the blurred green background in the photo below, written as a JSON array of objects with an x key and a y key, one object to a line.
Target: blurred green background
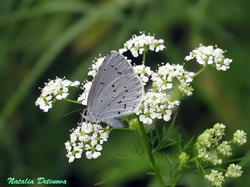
[{"x": 43, "y": 39}]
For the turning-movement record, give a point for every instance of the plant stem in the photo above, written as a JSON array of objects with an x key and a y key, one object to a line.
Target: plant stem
[
  {"x": 150, "y": 154},
  {"x": 144, "y": 57},
  {"x": 199, "y": 72},
  {"x": 172, "y": 185},
  {"x": 72, "y": 101}
]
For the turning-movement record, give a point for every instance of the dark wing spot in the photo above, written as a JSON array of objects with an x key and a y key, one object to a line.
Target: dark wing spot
[
  {"x": 137, "y": 96},
  {"x": 111, "y": 66},
  {"x": 108, "y": 104},
  {"x": 120, "y": 102},
  {"x": 103, "y": 83},
  {"x": 101, "y": 100},
  {"x": 125, "y": 87},
  {"x": 113, "y": 85},
  {"x": 123, "y": 97},
  {"x": 125, "y": 106},
  {"x": 126, "y": 90},
  {"x": 115, "y": 68},
  {"x": 119, "y": 72},
  {"x": 114, "y": 90},
  {"x": 119, "y": 112},
  {"x": 104, "y": 69}
]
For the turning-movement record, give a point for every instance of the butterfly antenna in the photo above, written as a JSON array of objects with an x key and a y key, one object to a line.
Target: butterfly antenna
[
  {"x": 77, "y": 110},
  {"x": 81, "y": 118}
]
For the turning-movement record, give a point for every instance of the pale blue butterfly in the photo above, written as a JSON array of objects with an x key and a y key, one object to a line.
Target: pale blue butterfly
[{"x": 116, "y": 91}]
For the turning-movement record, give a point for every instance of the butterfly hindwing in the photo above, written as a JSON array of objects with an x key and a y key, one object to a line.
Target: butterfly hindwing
[{"x": 121, "y": 97}]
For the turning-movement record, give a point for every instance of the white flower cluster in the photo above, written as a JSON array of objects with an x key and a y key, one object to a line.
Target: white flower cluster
[
  {"x": 209, "y": 147},
  {"x": 208, "y": 142},
  {"x": 170, "y": 74},
  {"x": 54, "y": 90},
  {"x": 83, "y": 97},
  {"x": 240, "y": 137},
  {"x": 138, "y": 44},
  {"x": 87, "y": 137},
  {"x": 95, "y": 66},
  {"x": 210, "y": 55},
  {"x": 156, "y": 105},
  {"x": 144, "y": 72},
  {"x": 185, "y": 89},
  {"x": 216, "y": 178}
]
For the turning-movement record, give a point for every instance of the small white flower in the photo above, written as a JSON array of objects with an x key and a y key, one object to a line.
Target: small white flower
[
  {"x": 98, "y": 147},
  {"x": 73, "y": 137},
  {"x": 144, "y": 72},
  {"x": 54, "y": 90},
  {"x": 210, "y": 55},
  {"x": 96, "y": 154},
  {"x": 78, "y": 155},
  {"x": 89, "y": 155},
  {"x": 71, "y": 158},
  {"x": 75, "y": 83},
  {"x": 216, "y": 178},
  {"x": 68, "y": 146},
  {"x": 234, "y": 171},
  {"x": 240, "y": 137},
  {"x": 138, "y": 44}
]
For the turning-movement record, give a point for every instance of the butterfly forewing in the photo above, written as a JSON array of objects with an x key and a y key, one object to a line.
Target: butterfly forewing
[
  {"x": 115, "y": 91},
  {"x": 112, "y": 67}
]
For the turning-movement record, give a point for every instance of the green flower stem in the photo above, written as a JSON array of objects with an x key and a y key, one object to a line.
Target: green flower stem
[
  {"x": 173, "y": 185},
  {"x": 200, "y": 71},
  {"x": 150, "y": 154},
  {"x": 179, "y": 95},
  {"x": 72, "y": 101},
  {"x": 144, "y": 57}
]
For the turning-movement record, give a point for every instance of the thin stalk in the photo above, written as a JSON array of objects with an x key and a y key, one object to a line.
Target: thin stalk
[
  {"x": 150, "y": 154},
  {"x": 72, "y": 101},
  {"x": 146, "y": 143},
  {"x": 144, "y": 57},
  {"x": 199, "y": 72},
  {"x": 172, "y": 185}
]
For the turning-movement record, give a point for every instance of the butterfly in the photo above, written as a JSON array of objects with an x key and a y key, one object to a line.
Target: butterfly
[{"x": 116, "y": 91}]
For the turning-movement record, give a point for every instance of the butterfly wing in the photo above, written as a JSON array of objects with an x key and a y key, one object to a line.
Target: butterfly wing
[
  {"x": 112, "y": 67},
  {"x": 120, "y": 97},
  {"x": 116, "y": 90},
  {"x": 113, "y": 122}
]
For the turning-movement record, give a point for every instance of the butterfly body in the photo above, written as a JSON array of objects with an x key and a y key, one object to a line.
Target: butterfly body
[{"x": 116, "y": 91}]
